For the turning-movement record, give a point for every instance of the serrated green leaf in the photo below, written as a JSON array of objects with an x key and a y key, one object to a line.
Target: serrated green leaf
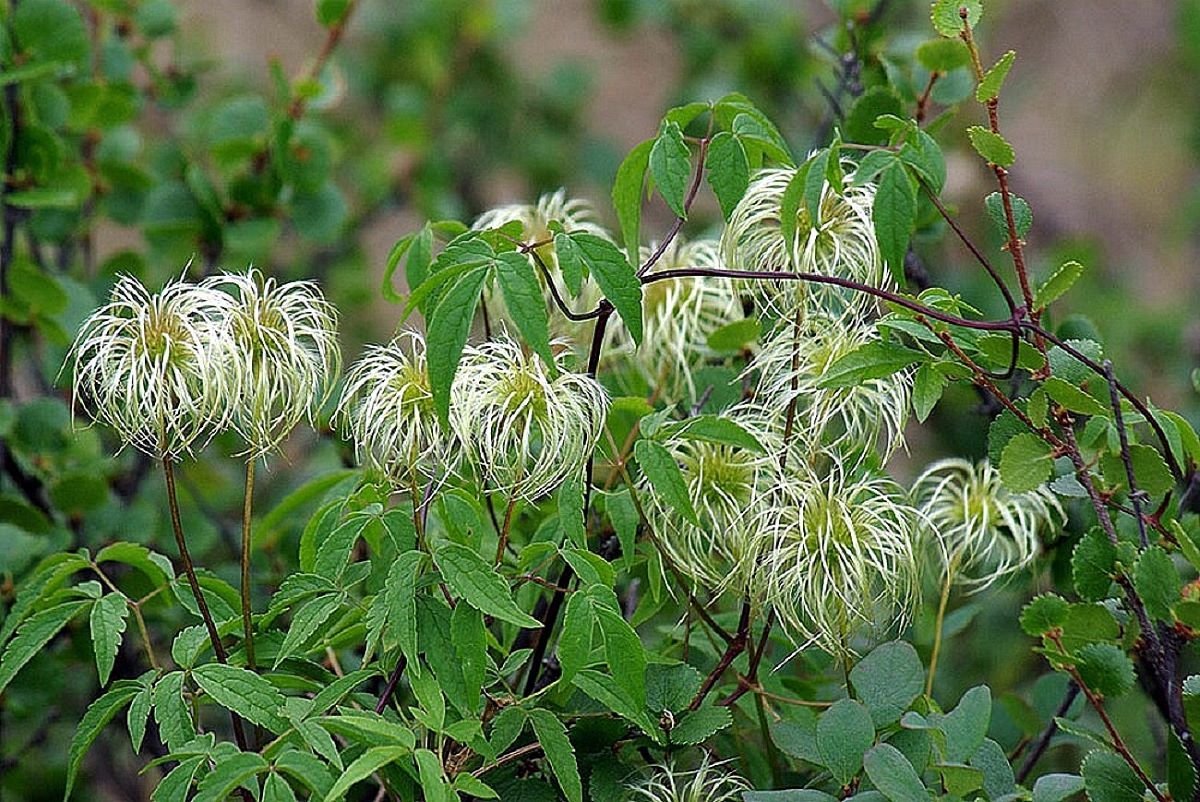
[
  {"x": 98, "y": 714},
  {"x": 617, "y": 279},
  {"x": 627, "y": 196},
  {"x": 308, "y": 618},
  {"x": 887, "y": 680},
  {"x": 1105, "y": 669},
  {"x": 552, "y": 735},
  {"x": 928, "y": 386},
  {"x": 671, "y": 166},
  {"x": 228, "y": 774},
  {"x": 368, "y": 729},
  {"x": 946, "y": 15},
  {"x": 791, "y": 202},
  {"x": 171, "y": 713},
  {"x": 1056, "y": 787},
  {"x": 1044, "y": 613},
  {"x": 250, "y": 696},
  {"x": 525, "y": 302},
  {"x": 138, "y": 716},
  {"x": 894, "y": 213},
  {"x": 1072, "y": 398},
  {"x": 605, "y": 690},
  {"x": 1022, "y": 214},
  {"x": 993, "y": 79},
  {"x": 1092, "y": 565},
  {"x": 449, "y": 324},
  {"x": 875, "y": 360},
  {"x": 35, "y": 633},
  {"x": 107, "y": 621},
  {"x": 178, "y": 783},
  {"x": 1157, "y": 582},
  {"x": 697, "y": 726},
  {"x": 665, "y": 477},
  {"x": 478, "y": 584},
  {"x": 1108, "y": 778},
  {"x": 893, "y": 775},
  {"x": 1026, "y": 463},
  {"x": 844, "y": 733},
  {"x": 623, "y": 649},
  {"x": 727, "y": 170},
  {"x": 713, "y": 429},
  {"x": 433, "y": 779},
  {"x": 367, "y": 764},
  {"x": 156, "y": 567},
  {"x": 276, "y": 789},
  {"x": 994, "y": 148},
  {"x": 1088, "y": 623},
  {"x": 1149, "y": 469},
  {"x": 575, "y": 642}
]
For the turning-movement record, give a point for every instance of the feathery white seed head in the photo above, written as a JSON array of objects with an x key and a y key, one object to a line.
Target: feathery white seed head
[
  {"x": 524, "y": 425},
  {"x": 791, "y": 365},
  {"x": 842, "y": 557},
  {"x": 839, "y": 242},
  {"x": 709, "y": 782},
  {"x": 387, "y": 410},
  {"x": 981, "y": 532},
  {"x": 157, "y": 368},
  {"x": 286, "y": 355},
  {"x": 678, "y": 315}
]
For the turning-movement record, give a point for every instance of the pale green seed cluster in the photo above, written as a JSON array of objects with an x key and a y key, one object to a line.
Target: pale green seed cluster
[
  {"x": 708, "y": 782},
  {"x": 167, "y": 371}
]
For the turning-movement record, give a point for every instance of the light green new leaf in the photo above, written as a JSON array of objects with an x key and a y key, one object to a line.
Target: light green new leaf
[
  {"x": 671, "y": 166},
  {"x": 433, "y": 780},
  {"x": 107, "y": 621},
  {"x": 33, "y": 635},
  {"x": 623, "y": 649},
  {"x": 928, "y": 386},
  {"x": 946, "y": 16},
  {"x": 276, "y": 789},
  {"x": 449, "y": 324},
  {"x": 552, "y": 735},
  {"x": 1071, "y": 398},
  {"x": 993, "y": 79},
  {"x": 478, "y": 584},
  {"x": 139, "y": 713},
  {"x": 991, "y": 146},
  {"x": 250, "y": 696},
  {"x": 525, "y": 302},
  {"x": 665, "y": 477}
]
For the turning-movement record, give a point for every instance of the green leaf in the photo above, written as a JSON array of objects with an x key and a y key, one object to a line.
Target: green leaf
[
  {"x": 991, "y": 146},
  {"x": 844, "y": 732},
  {"x": 478, "y": 584},
  {"x": 967, "y": 724},
  {"x": 888, "y": 680},
  {"x": 449, "y": 325},
  {"x": 665, "y": 477},
  {"x": 1092, "y": 565},
  {"x": 617, "y": 279},
  {"x": 552, "y": 735},
  {"x": 993, "y": 79},
  {"x": 605, "y": 690},
  {"x": 1026, "y": 463},
  {"x": 623, "y": 649},
  {"x": 1106, "y": 669},
  {"x": 627, "y": 196},
  {"x": 33, "y": 635},
  {"x": 733, "y": 337},
  {"x": 671, "y": 166},
  {"x": 330, "y": 12},
  {"x": 875, "y": 360},
  {"x": 49, "y": 30},
  {"x": 156, "y": 567},
  {"x": 176, "y": 786},
  {"x": 367, "y": 764},
  {"x": 727, "y": 170},
  {"x": 946, "y": 19},
  {"x": 1072, "y": 398},
  {"x": 43, "y": 198},
  {"x": 525, "y": 302},
  {"x": 928, "y": 386},
  {"x": 369, "y": 729},
  {"x": 250, "y": 696},
  {"x": 433, "y": 780},
  {"x": 943, "y": 55},
  {"x": 108, "y": 619},
  {"x": 791, "y": 202},
  {"x": 923, "y": 154},
  {"x": 139, "y": 714},
  {"x": 713, "y": 429},
  {"x": 893, "y": 775},
  {"x": 1022, "y": 214},
  {"x": 1088, "y": 623},
  {"x": 98, "y": 714},
  {"x": 1056, "y": 787},
  {"x": 466, "y": 783},
  {"x": 307, "y": 620},
  {"x": 894, "y": 212},
  {"x": 791, "y": 795},
  {"x": 575, "y": 642},
  {"x": 867, "y": 108},
  {"x": 998, "y": 777},
  {"x": 1108, "y": 778},
  {"x": 1157, "y": 582},
  {"x": 697, "y": 726},
  {"x": 276, "y": 789},
  {"x": 1149, "y": 469},
  {"x": 959, "y": 779},
  {"x": 228, "y": 774},
  {"x": 171, "y": 713},
  {"x": 1181, "y": 775}
]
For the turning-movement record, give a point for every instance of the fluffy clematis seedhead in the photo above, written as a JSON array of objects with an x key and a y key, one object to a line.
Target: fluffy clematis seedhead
[
  {"x": 387, "y": 411},
  {"x": 157, "y": 368},
  {"x": 839, "y": 241},
  {"x": 526, "y": 425},
  {"x": 842, "y": 558},
  {"x": 678, "y": 315},
  {"x": 793, "y": 364},
  {"x": 709, "y": 782},
  {"x": 726, "y": 485},
  {"x": 982, "y": 532},
  {"x": 286, "y": 355}
]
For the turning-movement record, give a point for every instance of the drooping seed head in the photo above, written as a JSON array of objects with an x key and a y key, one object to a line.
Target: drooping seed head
[
  {"x": 286, "y": 355},
  {"x": 387, "y": 411},
  {"x": 709, "y": 782},
  {"x": 838, "y": 241},
  {"x": 157, "y": 368},
  {"x": 525, "y": 425},
  {"x": 843, "y": 555},
  {"x": 981, "y": 532}
]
